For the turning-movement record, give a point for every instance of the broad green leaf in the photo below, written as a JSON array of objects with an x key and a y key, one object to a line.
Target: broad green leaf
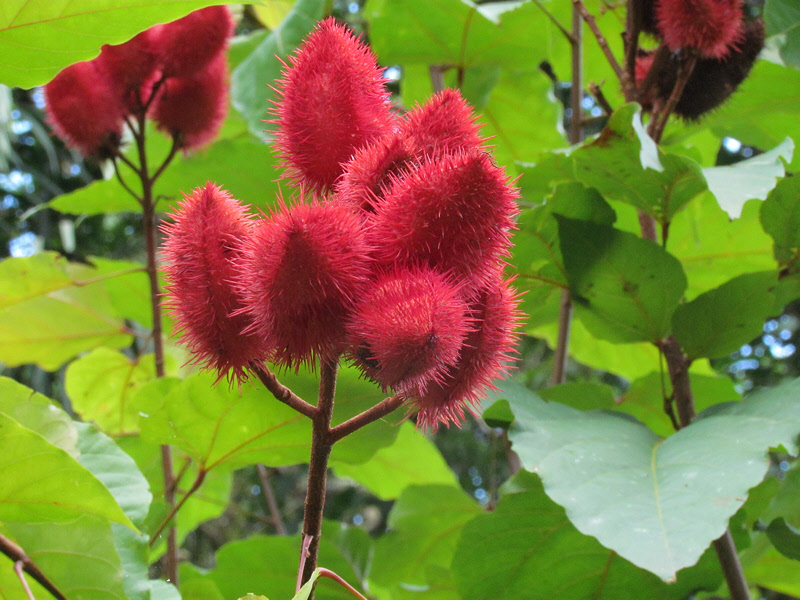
[
  {"x": 719, "y": 321},
  {"x": 39, "y": 414},
  {"x": 763, "y": 111},
  {"x": 116, "y": 471},
  {"x": 38, "y": 38},
  {"x": 251, "y": 81},
  {"x": 658, "y": 503},
  {"x": 268, "y": 566},
  {"x": 644, "y": 399},
  {"x": 782, "y": 19},
  {"x": 774, "y": 571},
  {"x": 78, "y": 557},
  {"x": 424, "y": 528},
  {"x": 411, "y": 460},
  {"x": 272, "y": 12},
  {"x": 135, "y": 557},
  {"x": 733, "y": 185},
  {"x": 527, "y": 549},
  {"x": 625, "y": 289},
  {"x": 785, "y": 538},
  {"x": 624, "y": 164},
  {"x": 713, "y": 249},
  {"x": 780, "y": 216},
  {"x": 218, "y": 426},
  {"x": 354, "y": 544},
  {"x": 100, "y": 386},
  {"x": 583, "y": 395},
  {"x": 41, "y": 482}
]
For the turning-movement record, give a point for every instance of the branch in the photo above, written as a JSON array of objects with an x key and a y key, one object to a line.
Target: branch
[
  {"x": 380, "y": 410},
  {"x": 281, "y": 392},
  {"x": 555, "y": 21},
  {"x": 659, "y": 120},
  {"x": 269, "y": 496},
  {"x": 17, "y": 554},
  {"x": 331, "y": 575},
  {"x": 600, "y": 97},
  {"x": 18, "y": 569},
  {"x": 122, "y": 181},
  {"x": 603, "y": 43},
  {"x": 201, "y": 475},
  {"x": 176, "y": 144}
]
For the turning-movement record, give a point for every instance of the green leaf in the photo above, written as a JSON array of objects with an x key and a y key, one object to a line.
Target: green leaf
[
  {"x": 624, "y": 164},
  {"x": 658, "y": 503},
  {"x": 39, "y": 37},
  {"x": 116, "y": 471},
  {"x": 782, "y": 19},
  {"x": 411, "y": 460},
  {"x": 424, "y": 527},
  {"x": 100, "y": 386},
  {"x": 719, "y": 321},
  {"x": 583, "y": 395},
  {"x": 78, "y": 557},
  {"x": 218, "y": 426},
  {"x": 268, "y": 566},
  {"x": 41, "y": 482},
  {"x": 134, "y": 554},
  {"x": 785, "y": 538},
  {"x": 733, "y": 185},
  {"x": 625, "y": 288},
  {"x": 510, "y": 553},
  {"x": 774, "y": 571},
  {"x": 780, "y": 216},
  {"x": 713, "y": 249},
  {"x": 38, "y": 413},
  {"x": 252, "y": 80}
]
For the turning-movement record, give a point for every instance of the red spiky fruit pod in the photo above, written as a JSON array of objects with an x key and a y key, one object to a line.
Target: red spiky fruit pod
[
  {"x": 332, "y": 101},
  {"x": 84, "y": 110},
  {"x": 129, "y": 66},
  {"x": 368, "y": 174},
  {"x": 488, "y": 347},
  {"x": 201, "y": 248},
  {"x": 453, "y": 214},
  {"x": 408, "y": 328},
  {"x": 194, "y": 107},
  {"x": 711, "y": 27},
  {"x": 187, "y": 45},
  {"x": 305, "y": 268},
  {"x": 443, "y": 125}
]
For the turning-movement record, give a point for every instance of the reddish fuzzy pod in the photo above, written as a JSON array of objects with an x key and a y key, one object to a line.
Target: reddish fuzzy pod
[
  {"x": 201, "y": 248},
  {"x": 368, "y": 174},
  {"x": 332, "y": 101},
  {"x": 130, "y": 65},
  {"x": 187, "y": 45},
  {"x": 194, "y": 107},
  {"x": 711, "y": 27},
  {"x": 443, "y": 125},
  {"x": 304, "y": 270},
  {"x": 453, "y": 214},
  {"x": 488, "y": 346},
  {"x": 408, "y": 328},
  {"x": 84, "y": 110}
]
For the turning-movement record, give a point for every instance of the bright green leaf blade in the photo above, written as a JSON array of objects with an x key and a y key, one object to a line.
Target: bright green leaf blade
[
  {"x": 658, "y": 503},
  {"x": 624, "y": 288},
  {"x": 411, "y": 460},
  {"x": 78, "y": 557},
  {"x": 527, "y": 549},
  {"x": 39, "y": 414},
  {"x": 101, "y": 384},
  {"x": 780, "y": 216},
  {"x": 272, "y": 12},
  {"x": 38, "y": 38},
  {"x": 218, "y": 426},
  {"x": 424, "y": 524},
  {"x": 733, "y": 185},
  {"x": 135, "y": 557},
  {"x": 251, "y": 80},
  {"x": 774, "y": 571},
  {"x": 719, "y": 321},
  {"x": 624, "y": 164},
  {"x": 785, "y": 538},
  {"x": 41, "y": 482},
  {"x": 713, "y": 249},
  {"x": 116, "y": 471}
]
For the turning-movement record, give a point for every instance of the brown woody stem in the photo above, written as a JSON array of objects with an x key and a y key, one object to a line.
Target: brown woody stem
[
  {"x": 17, "y": 554},
  {"x": 380, "y": 410},
  {"x": 281, "y": 392}
]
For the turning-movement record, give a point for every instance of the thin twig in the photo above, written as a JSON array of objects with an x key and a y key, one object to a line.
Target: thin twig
[
  {"x": 17, "y": 554},
  {"x": 684, "y": 73},
  {"x": 281, "y": 392},
  {"x": 201, "y": 475},
  {"x": 122, "y": 182},
  {"x": 600, "y": 98},
  {"x": 18, "y": 569},
  {"x": 633, "y": 26},
  {"x": 436, "y": 73},
  {"x": 731, "y": 567},
  {"x": 555, "y": 21},
  {"x": 176, "y": 145},
  {"x": 331, "y": 575},
  {"x": 380, "y": 410},
  {"x": 269, "y": 496},
  {"x": 602, "y": 42}
]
